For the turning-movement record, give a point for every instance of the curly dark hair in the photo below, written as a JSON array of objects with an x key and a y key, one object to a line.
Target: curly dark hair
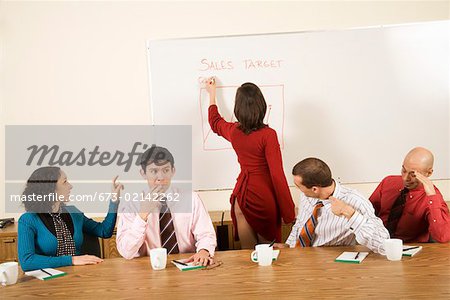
[
  {"x": 41, "y": 182},
  {"x": 250, "y": 107}
]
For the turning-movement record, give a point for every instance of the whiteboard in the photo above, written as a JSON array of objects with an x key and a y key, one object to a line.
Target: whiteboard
[{"x": 358, "y": 99}]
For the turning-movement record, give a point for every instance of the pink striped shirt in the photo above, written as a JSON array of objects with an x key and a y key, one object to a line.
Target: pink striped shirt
[{"x": 193, "y": 229}]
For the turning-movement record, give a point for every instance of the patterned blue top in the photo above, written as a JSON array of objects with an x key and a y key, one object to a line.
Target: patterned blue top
[{"x": 37, "y": 245}]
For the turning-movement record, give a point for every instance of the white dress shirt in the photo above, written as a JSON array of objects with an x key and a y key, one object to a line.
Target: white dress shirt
[{"x": 363, "y": 227}]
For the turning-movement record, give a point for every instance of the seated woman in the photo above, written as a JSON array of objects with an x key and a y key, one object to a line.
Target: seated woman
[{"x": 50, "y": 232}]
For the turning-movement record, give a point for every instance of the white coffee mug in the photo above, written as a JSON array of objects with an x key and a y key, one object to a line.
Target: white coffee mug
[
  {"x": 394, "y": 249},
  {"x": 9, "y": 272},
  {"x": 158, "y": 258},
  {"x": 262, "y": 255}
]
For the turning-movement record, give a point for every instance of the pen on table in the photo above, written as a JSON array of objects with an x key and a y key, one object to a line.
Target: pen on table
[
  {"x": 357, "y": 255},
  {"x": 271, "y": 244},
  {"x": 410, "y": 248},
  {"x": 46, "y": 272},
  {"x": 179, "y": 262}
]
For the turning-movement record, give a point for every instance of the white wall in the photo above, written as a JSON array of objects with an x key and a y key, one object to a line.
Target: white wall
[{"x": 85, "y": 62}]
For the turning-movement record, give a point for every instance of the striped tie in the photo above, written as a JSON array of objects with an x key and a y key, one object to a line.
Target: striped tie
[
  {"x": 306, "y": 236},
  {"x": 167, "y": 231}
]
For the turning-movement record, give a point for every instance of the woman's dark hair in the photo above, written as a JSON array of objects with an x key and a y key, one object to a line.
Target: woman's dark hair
[
  {"x": 41, "y": 183},
  {"x": 250, "y": 108}
]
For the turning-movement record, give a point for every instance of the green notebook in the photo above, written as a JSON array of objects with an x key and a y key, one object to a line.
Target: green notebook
[
  {"x": 184, "y": 266},
  {"x": 46, "y": 274},
  {"x": 411, "y": 250},
  {"x": 352, "y": 257}
]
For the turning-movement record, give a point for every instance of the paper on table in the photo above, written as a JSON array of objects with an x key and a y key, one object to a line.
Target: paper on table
[
  {"x": 275, "y": 254},
  {"x": 45, "y": 274},
  {"x": 413, "y": 250},
  {"x": 190, "y": 266},
  {"x": 350, "y": 257}
]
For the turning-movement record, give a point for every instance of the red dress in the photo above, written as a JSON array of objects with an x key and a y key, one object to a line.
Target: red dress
[{"x": 261, "y": 188}]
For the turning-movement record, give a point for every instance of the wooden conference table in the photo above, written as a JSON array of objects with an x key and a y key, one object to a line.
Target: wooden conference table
[{"x": 300, "y": 273}]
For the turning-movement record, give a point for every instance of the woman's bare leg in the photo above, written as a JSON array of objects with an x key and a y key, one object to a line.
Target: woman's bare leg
[
  {"x": 262, "y": 240},
  {"x": 247, "y": 235}
]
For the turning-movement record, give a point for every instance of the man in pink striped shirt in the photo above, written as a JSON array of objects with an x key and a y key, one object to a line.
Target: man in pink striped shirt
[{"x": 140, "y": 227}]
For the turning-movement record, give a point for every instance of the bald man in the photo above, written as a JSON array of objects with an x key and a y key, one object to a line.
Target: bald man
[{"x": 411, "y": 207}]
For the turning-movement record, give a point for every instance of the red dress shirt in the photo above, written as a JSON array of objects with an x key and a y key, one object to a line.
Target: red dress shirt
[{"x": 424, "y": 217}]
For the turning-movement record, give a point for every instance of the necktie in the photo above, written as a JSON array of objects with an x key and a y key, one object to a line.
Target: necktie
[
  {"x": 396, "y": 212},
  {"x": 306, "y": 236},
  {"x": 167, "y": 231},
  {"x": 66, "y": 244}
]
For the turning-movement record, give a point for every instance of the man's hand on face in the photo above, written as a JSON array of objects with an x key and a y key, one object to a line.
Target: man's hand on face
[
  {"x": 426, "y": 182},
  {"x": 151, "y": 201}
]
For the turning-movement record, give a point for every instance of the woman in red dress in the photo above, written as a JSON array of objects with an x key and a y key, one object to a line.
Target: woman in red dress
[{"x": 261, "y": 196}]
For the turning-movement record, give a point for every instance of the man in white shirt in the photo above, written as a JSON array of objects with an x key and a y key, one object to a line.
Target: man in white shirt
[{"x": 331, "y": 214}]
